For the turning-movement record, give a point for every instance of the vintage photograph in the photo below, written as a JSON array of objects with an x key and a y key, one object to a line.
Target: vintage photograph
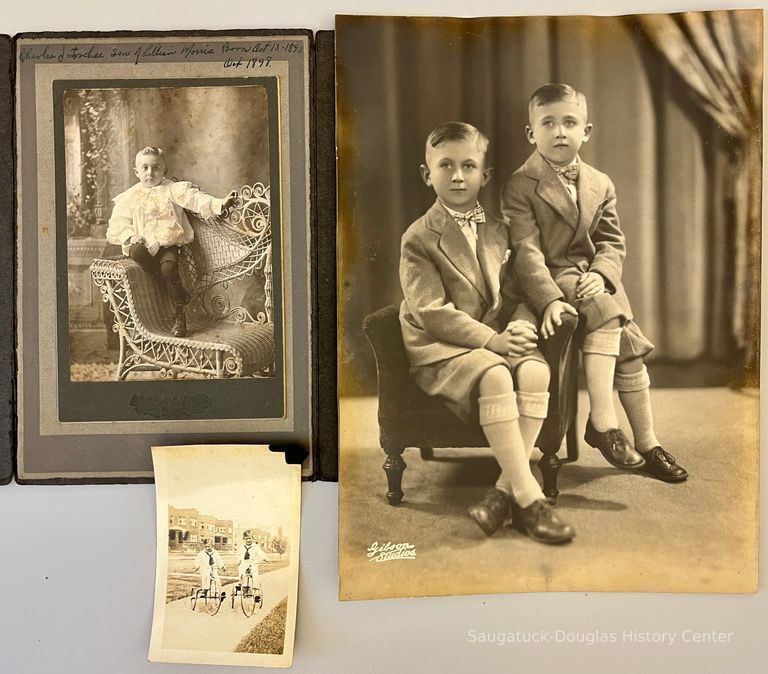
[
  {"x": 227, "y": 555},
  {"x": 169, "y": 232},
  {"x": 549, "y": 305},
  {"x": 163, "y": 288}
]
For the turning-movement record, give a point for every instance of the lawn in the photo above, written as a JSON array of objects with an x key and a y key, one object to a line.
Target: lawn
[{"x": 269, "y": 635}]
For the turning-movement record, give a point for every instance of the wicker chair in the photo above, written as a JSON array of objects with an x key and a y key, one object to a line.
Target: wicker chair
[
  {"x": 221, "y": 341},
  {"x": 408, "y": 417}
]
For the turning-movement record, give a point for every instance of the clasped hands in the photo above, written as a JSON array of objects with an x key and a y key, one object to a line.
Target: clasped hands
[{"x": 519, "y": 338}]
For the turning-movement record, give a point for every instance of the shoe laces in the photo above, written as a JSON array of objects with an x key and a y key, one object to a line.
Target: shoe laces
[
  {"x": 663, "y": 455},
  {"x": 618, "y": 439}
]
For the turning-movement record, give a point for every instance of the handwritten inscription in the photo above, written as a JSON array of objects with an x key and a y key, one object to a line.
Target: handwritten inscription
[
  {"x": 386, "y": 552},
  {"x": 45, "y": 55},
  {"x": 236, "y": 55},
  {"x": 249, "y": 63}
]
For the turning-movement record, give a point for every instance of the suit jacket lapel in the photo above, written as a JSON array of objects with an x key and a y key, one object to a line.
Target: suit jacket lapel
[
  {"x": 590, "y": 195},
  {"x": 456, "y": 247},
  {"x": 491, "y": 246},
  {"x": 551, "y": 190}
]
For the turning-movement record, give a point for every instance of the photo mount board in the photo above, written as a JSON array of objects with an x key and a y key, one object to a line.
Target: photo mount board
[{"x": 289, "y": 50}]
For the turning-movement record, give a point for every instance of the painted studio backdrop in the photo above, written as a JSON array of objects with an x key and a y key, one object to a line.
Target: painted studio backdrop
[
  {"x": 216, "y": 137},
  {"x": 675, "y": 101}
]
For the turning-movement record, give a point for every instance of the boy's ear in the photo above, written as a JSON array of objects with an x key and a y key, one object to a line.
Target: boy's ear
[
  {"x": 135, "y": 171},
  {"x": 587, "y": 132},
  {"x": 425, "y": 174},
  {"x": 529, "y": 135},
  {"x": 487, "y": 173}
]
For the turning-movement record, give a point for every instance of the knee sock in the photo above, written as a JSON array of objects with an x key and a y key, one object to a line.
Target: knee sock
[
  {"x": 533, "y": 411},
  {"x": 498, "y": 417},
  {"x": 599, "y": 350},
  {"x": 635, "y": 395}
]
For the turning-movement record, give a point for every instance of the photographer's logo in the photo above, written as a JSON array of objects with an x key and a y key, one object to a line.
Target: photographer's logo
[{"x": 386, "y": 552}]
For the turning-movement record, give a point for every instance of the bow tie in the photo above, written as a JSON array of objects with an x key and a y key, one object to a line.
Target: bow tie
[
  {"x": 570, "y": 173},
  {"x": 476, "y": 215}
]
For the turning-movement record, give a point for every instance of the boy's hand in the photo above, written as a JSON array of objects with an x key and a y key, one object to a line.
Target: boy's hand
[
  {"x": 137, "y": 239},
  {"x": 518, "y": 339},
  {"x": 523, "y": 328},
  {"x": 229, "y": 199},
  {"x": 525, "y": 335},
  {"x": 590, "y": 283},
  {"x": 551, "y": 319}
]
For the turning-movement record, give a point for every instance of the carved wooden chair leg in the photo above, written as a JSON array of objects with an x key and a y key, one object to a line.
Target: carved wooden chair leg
[
  {"x": 549, "y": 464},
  {"x": 427, "y": 453},
  {"x": 394, "y": 467}
]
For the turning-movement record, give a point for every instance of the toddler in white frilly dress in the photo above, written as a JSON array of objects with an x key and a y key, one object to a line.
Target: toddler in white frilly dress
[{"x": 150, "y": 224}]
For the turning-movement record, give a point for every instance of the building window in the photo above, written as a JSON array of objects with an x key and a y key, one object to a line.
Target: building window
[
  {"x": 171, "y": 519},
  {"x": 193, "y": 521},
  {"x": 182, "y": 520}
]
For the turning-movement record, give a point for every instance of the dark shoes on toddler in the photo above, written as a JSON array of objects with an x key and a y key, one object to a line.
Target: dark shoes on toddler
[
  {"x": 180, "y": 322},
  {"x": 538, "y": 520}
]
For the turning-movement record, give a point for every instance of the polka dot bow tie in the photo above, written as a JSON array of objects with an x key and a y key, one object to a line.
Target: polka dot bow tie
[{"x": 570, "y": 173}]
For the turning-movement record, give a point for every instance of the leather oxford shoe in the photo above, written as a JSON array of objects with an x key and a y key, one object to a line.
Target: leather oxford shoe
[
  {"x": 661, "y": 465},
  {"x": 614, "y": 446},
  {"x": 492, "y": 512},
  {"x": 541, "y": 524}
]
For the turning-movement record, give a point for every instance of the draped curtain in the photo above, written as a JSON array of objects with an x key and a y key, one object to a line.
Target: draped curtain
[
  {"x": 671, "y": 160},
  {"x": 719, "y": 56}
]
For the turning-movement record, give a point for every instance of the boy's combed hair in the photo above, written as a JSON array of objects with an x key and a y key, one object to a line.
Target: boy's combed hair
[
  {"x": 554, "y": 93},
  {"x": 247, "y": 533},
  {"x": 457, "y": 131},
  {"x": 150, "y": 149}
]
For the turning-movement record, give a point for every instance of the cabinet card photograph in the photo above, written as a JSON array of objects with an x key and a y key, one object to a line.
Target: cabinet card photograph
[
  {"x": 163, "y": 277},
  {"x": 549, "y": 310},
  {"x": 190, "y": 253},
  {"x": 228, "y": 523}
]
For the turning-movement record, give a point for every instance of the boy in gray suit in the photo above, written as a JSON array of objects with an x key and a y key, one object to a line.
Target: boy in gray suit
[
  {"x": 569, "y": 250},
  {"x": 451, "y": 266}
]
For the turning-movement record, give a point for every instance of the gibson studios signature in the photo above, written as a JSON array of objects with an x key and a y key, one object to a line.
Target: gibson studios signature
[{"x": 385, "y": 552}]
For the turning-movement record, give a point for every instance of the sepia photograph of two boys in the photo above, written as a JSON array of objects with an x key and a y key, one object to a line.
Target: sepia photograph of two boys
[{"x": 549, "y": 287}]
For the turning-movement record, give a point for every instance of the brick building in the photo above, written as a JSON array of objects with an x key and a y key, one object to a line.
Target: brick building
[{"x": 187, "y": 528}]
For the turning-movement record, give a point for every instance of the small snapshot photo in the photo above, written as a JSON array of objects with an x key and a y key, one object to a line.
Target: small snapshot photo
[
  {"x": 227, "y": 556},
  {"x": 165, "y": 197}
]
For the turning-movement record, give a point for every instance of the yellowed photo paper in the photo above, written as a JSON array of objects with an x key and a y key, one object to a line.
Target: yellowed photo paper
[
  {"x": 164, "y": 290},
  {"x": 549, "y": 305},
  {"x": 228, "y": 523}
]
